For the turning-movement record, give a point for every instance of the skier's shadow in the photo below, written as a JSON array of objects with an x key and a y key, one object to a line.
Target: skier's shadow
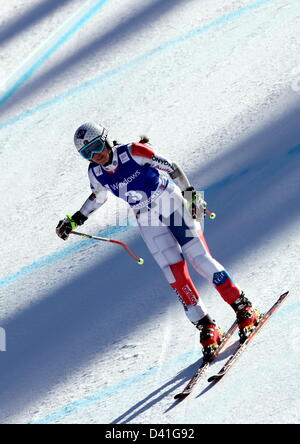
[
  {"x": 229, "y": 351},
  {"x": 222, "y": 356},
  {"x": 169, "y": 387},
  {"x": 156, "y": 396}
]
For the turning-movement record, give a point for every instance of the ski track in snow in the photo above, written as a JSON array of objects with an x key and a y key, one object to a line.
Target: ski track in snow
[{"x": 153, "y": 355}]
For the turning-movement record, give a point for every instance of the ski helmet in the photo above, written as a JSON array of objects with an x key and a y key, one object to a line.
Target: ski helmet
[{"x": 87, "y": 132}]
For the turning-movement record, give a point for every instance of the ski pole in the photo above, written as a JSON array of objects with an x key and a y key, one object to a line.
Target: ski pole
[{"x": 140, "y": 260}]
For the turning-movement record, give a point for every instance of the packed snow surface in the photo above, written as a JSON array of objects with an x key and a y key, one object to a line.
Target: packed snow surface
[{"x": 90, "y": 336}]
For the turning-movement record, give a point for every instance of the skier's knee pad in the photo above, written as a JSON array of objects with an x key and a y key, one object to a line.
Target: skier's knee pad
[
  {"x": 200, "y": 258},
  {"x": 163, "y": 247}
]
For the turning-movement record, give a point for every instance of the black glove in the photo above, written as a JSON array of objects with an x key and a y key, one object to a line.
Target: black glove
[
  {"x": 68, "y": 224},
  {"x": 197, "y": 206}
]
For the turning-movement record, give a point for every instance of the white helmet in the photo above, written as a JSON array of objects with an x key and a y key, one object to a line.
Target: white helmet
[{"x": 88, "y": 132}]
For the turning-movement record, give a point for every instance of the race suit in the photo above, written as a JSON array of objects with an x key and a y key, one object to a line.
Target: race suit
[{"x": 153, "y": 186}]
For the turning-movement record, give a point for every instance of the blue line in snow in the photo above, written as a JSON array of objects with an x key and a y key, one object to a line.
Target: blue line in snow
[
  {"x": 50, "y": 259},
  {"x": 63, "y": 39},
  {"x": 220, "y": 21},
  {"x": 102, "y": 394},
  {"x": 71, "y": 408}
]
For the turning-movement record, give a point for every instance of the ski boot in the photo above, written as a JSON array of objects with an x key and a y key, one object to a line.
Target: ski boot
[
  {"x": 247, "y": 317},
  {"x": 210, "y": 337}
]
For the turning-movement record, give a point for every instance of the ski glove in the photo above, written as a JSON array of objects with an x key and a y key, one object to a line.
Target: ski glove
[
  {"x": 68, "y": 224},
  {"x": 196, "y": 204}
]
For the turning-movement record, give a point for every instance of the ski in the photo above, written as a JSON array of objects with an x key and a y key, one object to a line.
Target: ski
[
  {"x": 205, "y": 364},
  {"x": 264, "y": 318}
]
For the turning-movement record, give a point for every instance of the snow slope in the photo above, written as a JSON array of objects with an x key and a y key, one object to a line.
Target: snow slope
[{"x": 91, "y": 336}]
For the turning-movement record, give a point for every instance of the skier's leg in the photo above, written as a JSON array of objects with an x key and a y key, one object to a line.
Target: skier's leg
[
  {"x": 189, "y": 236},
  {"x": 203, "y": 262},
  {"x": 168, "y": 255},
  {"x": 163, "y": 240},
  {"x": 215, "y": 273}
]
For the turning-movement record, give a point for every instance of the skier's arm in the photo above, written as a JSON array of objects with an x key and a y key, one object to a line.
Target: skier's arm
[
  {"x": 94, "y": 201},
  {"x": 179, "y": 177},
  {"x": 145, "y": 155},
  {"x": 196, "y": 204}
]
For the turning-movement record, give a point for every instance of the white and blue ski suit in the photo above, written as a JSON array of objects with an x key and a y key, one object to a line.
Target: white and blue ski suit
[{"x": 153, "y": 187}]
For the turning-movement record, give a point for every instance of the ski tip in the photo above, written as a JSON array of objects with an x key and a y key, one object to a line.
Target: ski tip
[
  {"x": 283, "y": 296},
  {"x": 215, "y": 378},
  {"x": 181, "y": 395}
]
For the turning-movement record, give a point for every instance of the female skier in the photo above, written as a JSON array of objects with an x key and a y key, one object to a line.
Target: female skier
[{"x": 167, "y": 209}]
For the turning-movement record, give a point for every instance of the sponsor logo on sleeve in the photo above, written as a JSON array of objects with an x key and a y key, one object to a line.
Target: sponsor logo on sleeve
[{"x": 161, "y": 161}]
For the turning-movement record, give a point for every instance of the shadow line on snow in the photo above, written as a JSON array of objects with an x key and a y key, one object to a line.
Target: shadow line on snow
[
  {"x": 172, "y": 386},
  {"x": 29, "y": 18},
  {"x": 85, "y": 52},
  {"x": 86, "y": 317},
  {"x": 113, "y": 71}
]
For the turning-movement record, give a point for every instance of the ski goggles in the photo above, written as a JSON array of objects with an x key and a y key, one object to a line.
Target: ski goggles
[{"x": 94, "y": 147}]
